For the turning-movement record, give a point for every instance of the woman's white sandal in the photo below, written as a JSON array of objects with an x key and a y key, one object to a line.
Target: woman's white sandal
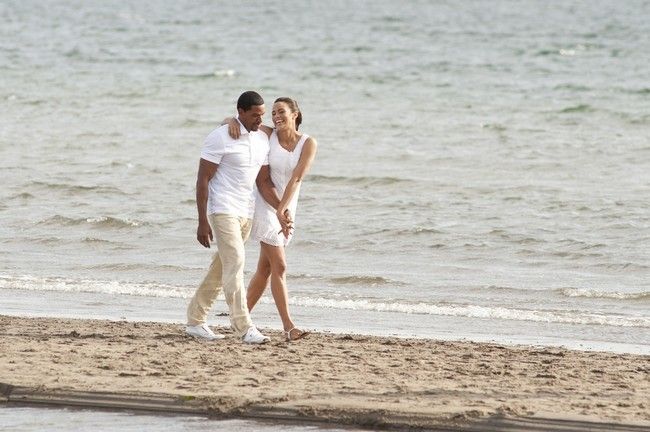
[{"x": 287, "y": 334}]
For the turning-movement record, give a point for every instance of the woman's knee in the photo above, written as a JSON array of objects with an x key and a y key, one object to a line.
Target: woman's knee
[
  {"x": 279, "y": 267},
  {"x": 275, "y": 259}
]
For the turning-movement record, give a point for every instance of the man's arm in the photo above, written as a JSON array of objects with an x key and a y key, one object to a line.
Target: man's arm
[
  {"x": 207, "y": 170},
  {"x": 270, "y": 194},
  {"x": 266, "y": 187}
]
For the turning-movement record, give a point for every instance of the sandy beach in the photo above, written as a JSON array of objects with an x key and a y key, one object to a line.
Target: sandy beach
[{"x": 347, "y": 379}]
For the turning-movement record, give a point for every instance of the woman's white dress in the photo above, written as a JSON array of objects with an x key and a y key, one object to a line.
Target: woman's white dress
[{"x": 282, "y": 162}]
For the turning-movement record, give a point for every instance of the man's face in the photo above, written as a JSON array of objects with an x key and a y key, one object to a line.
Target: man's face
[{"x": 251, "y": 119}]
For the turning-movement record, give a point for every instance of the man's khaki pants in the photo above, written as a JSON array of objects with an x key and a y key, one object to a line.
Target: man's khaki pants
[{"x": 227, "y": 272}]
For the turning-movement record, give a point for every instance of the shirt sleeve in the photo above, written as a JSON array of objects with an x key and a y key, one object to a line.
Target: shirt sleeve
[{"x": 214, "y": 148}]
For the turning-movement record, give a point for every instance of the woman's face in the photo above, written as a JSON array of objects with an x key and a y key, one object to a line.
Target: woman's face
[{"x": 282, "y": 116}]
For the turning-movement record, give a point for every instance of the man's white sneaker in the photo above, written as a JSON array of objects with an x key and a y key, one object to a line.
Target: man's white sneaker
[
  {"x": 253, "y": 336},
  {"x": 202, "y": 331}
]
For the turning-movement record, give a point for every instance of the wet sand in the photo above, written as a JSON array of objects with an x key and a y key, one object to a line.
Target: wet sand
[{"x": 348, "y": 379}]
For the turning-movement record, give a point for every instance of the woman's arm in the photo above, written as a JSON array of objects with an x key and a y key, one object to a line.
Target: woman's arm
[
  {"x": 234, "y": 131},
  {"x": 267, "y": 130},
  {"x": 306, "y": 158},
  {"x": 233, "y": 127}
]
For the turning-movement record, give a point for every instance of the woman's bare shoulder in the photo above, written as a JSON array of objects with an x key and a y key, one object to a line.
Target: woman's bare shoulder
[{"x": 311, "y": 141}]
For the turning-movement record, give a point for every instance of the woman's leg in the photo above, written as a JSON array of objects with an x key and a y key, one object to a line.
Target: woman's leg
[
  {"x": 278, "y": 265},
  {"x": 259, "y": 281}
]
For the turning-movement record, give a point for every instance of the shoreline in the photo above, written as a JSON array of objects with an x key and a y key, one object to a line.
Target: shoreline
[
  {"x": 370, "y": 381},
  {"x": 92, "y": 305}
]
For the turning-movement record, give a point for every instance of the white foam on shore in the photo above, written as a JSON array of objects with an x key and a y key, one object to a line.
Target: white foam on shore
[
  {"x": 422, "y": 308},
  {"x": 148, "y": 289},
  {"x": 474, "y": 311},
  {"x": 590, "y": 293}
]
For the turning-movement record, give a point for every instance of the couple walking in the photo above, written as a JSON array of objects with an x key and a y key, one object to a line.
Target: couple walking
[{"x": 237, "y": 157}]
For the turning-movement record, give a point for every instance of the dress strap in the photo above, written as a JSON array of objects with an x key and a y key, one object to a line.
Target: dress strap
[{"x": 301, "y": 142}]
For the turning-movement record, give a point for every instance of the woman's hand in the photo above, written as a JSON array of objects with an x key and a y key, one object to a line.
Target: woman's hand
[
  {"x": 233, "y": 128},
  {"x": 286, "y": 222}
]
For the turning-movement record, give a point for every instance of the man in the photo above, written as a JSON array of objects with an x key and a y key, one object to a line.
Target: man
[{"x": 224, "y": 198}]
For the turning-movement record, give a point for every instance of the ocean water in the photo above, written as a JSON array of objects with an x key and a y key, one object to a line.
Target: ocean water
[
  {"x": 483, "y": 169},
  {"x": 30, "y": 419}
]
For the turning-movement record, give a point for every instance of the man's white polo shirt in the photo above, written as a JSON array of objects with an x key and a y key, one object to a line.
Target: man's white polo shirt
[{"x": 230, "y": 190}]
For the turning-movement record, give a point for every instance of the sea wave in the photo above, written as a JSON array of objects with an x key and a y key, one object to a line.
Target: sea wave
[
  {"x": 573, "y": 87},
  {"x": 418, "y": 230},
  {"x": 494, "y": 126},
  {"x": 151, "y": 289},
  {"x": 581, "y": 108},
  {"x": 591, "y": 293},
  {"x": 364, "y": 280},
  {"x": 146, "y": 289},
  {"x": 217, "y": 73},
  {"x": 517, "y": 238},
  {"x": 622, "y": 266},
  {"x": 359, "y": 181},
  {"x": 641, "y": 91},
  {"x": 566, "y": 292},
  {"x": 137, "y": 266},
  {"x": 46, "y": 240},
  {"x": 75, "y": 189},
  {"x": 474, "y": 311},
  {"x": 99, "y": 222},
  {"x": 95, "y": 240},
  {"x": 23, "y": 196}
]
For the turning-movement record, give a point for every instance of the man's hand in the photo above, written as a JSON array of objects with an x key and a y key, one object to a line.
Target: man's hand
[
  {"x": 204, "y": 234},
  {"x": 207, "y": 170}
]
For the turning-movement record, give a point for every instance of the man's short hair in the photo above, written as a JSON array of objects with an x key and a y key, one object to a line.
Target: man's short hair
[{"x": 249, "y": 99}]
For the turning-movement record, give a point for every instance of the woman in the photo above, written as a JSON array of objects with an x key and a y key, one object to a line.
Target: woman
[{"x": 290, "y": 156}]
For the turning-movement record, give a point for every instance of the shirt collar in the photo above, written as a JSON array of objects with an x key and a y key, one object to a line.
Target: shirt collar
[{"x": 242, "y": 129}]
